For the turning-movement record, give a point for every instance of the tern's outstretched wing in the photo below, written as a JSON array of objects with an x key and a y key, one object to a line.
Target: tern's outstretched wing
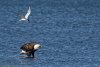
[{"x": 28, "y": 13}]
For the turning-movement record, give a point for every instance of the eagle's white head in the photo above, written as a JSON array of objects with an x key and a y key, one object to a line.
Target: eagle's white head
[{"x": 37, "y": 46}]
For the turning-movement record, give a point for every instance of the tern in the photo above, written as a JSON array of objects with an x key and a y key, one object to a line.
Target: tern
[{"x": 25, "y": 18}]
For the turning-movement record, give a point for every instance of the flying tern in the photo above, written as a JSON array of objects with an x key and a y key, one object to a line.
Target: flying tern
[{"x": 26, "y": 17}]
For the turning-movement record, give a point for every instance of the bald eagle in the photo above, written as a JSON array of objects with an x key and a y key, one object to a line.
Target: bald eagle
[{"x": 30, "y": 48}]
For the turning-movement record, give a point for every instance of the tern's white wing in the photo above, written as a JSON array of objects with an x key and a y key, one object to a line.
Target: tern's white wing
[{"x": 28, "y": 13}]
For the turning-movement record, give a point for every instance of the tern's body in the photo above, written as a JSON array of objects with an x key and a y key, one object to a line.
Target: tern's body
[{"x": 22, "y": 19}]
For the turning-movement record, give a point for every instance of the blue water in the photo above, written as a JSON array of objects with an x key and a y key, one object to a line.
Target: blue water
[{"x": 68, "y": 30}]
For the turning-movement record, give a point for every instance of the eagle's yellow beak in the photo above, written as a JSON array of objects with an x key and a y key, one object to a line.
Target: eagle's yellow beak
[{"x": 40, "y": 46}]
